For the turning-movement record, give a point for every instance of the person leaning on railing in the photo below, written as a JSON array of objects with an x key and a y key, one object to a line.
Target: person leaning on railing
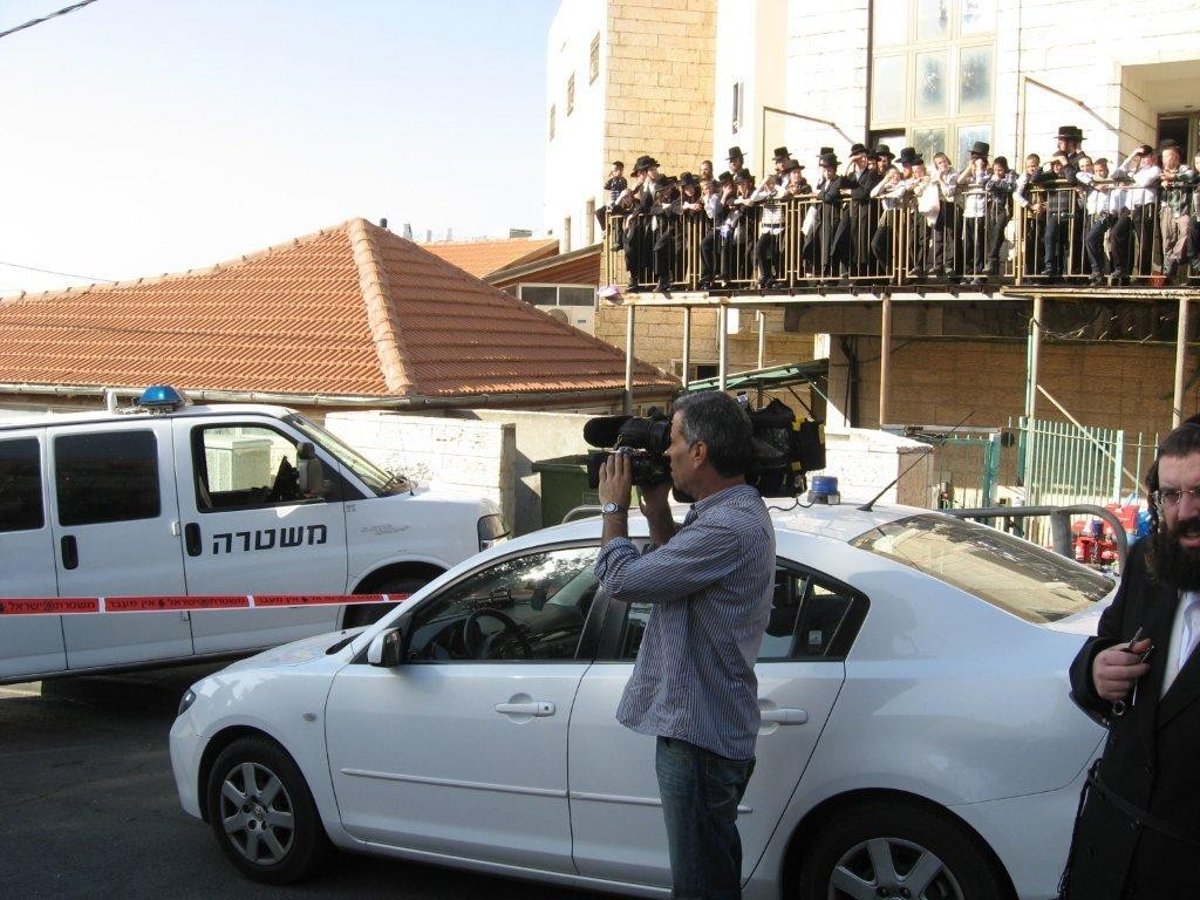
[
  {"x": 1137, "y": 178},
  {"x": 1175, "y": 209},
  {"x": 1098, "y": 215}
]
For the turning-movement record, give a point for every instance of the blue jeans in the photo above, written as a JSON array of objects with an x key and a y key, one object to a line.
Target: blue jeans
[{"x": 700, "y": 794}]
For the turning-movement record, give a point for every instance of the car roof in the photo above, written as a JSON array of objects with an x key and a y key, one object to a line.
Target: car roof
[
  {"x": 837, "y": 522},
  {"x": 133, "y": 414}
]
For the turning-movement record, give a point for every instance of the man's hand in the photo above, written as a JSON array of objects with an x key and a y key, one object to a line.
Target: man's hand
[
  {"x": 1115, "y": 670},
  {"x": 616, "y": 480}
]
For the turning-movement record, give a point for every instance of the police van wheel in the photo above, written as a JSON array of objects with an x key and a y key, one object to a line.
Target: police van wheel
[
  {"x": 369, "y": 613},
  {"x": 263, "y": 814}
]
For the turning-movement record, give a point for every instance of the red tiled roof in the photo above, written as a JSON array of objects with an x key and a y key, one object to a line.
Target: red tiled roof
[
  {"x": 481, "y": 258},
  {"x": 352, "y": 310}
]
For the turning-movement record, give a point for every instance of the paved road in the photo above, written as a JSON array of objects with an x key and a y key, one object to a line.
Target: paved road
[{"x": 88, "y": 808}]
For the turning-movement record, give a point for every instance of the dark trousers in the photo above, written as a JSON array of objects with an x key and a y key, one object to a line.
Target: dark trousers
[
  {"x": 997, "y": 221},
  {"x": 768, "y": 257},
  {"x": 709, "y": 246},
  {"x": 700, "y": 793},
  {"x": 1054, "y": 242},
  {"x": 1098, "y": 227},
  {"x": 664, "y": 260}
]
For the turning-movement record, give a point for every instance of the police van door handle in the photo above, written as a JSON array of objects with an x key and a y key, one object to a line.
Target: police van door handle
[
  {"x": 191, "y": 538},
  {"x": 70, "y": 552}
]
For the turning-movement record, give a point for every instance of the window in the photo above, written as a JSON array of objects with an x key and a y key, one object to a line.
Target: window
[
  {"x": 812, "y": 617},
  {"x": 552, "y": 121},
  {"x": 526, "y": 608},
  {"x": 933, "y": 72},
  {"x": 571, "y": 94},
  {"x": 594, "y": 60},
  {"x": 739, "y": 97},
  {"x": 106, "y": 477},
  {"x": 558, "y": 295},
  {"x": 1005, "y": 571},
  {"x": 21, "y": 505},
  {"x": 245, "y": 467}
]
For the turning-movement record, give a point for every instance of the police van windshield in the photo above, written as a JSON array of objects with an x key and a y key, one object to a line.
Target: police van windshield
[
  {"x": 1038, "y": 585},
  {"x": 376, "y": 479}
]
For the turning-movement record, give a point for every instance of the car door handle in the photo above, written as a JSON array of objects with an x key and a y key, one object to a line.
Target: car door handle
[
  {"x": 785, "y": 716},
  {"x": 530, "y": 708}
]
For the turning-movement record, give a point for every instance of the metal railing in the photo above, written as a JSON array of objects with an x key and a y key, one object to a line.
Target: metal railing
[{"x": 1050, "y": 235}]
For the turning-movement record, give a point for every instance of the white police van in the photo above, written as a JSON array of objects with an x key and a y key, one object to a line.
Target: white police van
[{"x": 169, "y": 498}]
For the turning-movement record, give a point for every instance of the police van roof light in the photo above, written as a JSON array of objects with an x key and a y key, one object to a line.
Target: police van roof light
[{"x": 161, "y": 398}]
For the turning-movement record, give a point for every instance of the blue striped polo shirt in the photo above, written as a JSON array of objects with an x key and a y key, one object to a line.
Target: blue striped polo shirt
[{"x": 711, "y": 586}]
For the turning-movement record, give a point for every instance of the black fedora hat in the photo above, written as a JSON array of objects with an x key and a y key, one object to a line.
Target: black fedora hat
[
  {"x": 884, "y": 150},
  {"x": 857, "y": 150},
  {"x": 829, "y": 160},
  {"x": 907, "y": 155},
  {"x": 743, "y": 175},
  {"x": 791, "y": 164},
  {"x": 1070, "y": 133},
  {"x": 781, "y": 153},
  {"x": 981, "y": 148},
  {"x": 735, "y": 153},
  {"x": 824, "y": 150}
]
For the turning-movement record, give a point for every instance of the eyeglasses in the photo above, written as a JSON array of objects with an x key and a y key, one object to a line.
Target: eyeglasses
[{"x": 1172, "y": 496}]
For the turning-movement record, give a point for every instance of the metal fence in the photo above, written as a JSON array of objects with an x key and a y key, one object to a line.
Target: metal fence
[{"x": 1052, "y": 235}]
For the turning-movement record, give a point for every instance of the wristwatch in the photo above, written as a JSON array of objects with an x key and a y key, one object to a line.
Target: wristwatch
[{"x": 610, "y": 508}]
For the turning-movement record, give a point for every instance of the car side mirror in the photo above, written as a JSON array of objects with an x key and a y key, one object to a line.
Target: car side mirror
[
  {"x": 311, "y": 471},
  {"x": 387, "y": 648}
]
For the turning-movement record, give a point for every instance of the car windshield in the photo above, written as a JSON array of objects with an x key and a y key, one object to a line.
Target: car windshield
[
  {"x": 376, "y": 479},
  {"x": 1019, "y": 577}
]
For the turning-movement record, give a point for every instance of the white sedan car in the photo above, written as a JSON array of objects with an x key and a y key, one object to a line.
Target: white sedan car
[{"x": 917, "y": 736}]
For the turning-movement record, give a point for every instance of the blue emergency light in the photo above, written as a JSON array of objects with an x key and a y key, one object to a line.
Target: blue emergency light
[{"x": 161, "y": 398}]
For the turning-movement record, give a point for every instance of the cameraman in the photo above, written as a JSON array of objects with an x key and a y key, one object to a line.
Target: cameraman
[{"x": 710, "y": 582}]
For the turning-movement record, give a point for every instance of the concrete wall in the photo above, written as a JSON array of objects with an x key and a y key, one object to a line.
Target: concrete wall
[{"x": 476, "y": 457}]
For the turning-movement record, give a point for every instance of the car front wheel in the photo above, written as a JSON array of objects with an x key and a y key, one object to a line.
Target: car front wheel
[
  {"x": 262, "y": 813},
  {"x": 896, "y": 851}
]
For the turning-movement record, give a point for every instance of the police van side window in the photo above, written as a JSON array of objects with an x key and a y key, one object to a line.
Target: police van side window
[
  {"x": 244, "y": 467},
  {"x": 106, "y": 477},
  {"x": 21, "y": 506}
]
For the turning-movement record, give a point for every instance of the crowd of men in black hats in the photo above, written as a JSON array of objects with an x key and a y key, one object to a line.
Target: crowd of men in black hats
[{"x": 1082, "y": 219}]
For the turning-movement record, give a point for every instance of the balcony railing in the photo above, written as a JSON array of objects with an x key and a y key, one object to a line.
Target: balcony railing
[{"x": 1054, "y": 238}]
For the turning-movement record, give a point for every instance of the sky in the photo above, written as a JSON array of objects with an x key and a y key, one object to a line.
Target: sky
[{"x": 142, "y": 137}]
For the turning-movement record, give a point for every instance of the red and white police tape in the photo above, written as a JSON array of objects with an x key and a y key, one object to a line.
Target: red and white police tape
[{"x": 58, "y": 606}]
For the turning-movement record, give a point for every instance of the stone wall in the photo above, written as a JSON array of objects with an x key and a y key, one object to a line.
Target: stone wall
[{"x": 471, "y": 456}]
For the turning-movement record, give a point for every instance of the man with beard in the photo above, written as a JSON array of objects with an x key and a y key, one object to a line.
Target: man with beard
[{"x": 1138, "y": 829}]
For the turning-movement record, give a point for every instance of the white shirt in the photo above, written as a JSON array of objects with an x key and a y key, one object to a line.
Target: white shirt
[{"x": 1180, "y": 631}]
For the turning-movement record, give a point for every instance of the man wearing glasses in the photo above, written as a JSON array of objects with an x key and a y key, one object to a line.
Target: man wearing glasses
[{"x": 1138, "y": 831}]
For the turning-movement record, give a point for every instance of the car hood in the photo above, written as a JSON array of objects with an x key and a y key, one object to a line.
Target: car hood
[{"x": 297, "y": 652}]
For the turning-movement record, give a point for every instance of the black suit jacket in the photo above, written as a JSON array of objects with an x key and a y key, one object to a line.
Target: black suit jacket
[{"x": 1151, "y": 758}]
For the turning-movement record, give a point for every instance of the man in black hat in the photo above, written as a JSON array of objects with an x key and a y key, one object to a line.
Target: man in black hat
[
  {"x": 861, "y": 177},
  {"x": 974, "y": 211},
  {"x": 738, "y": 231},
  {"x": 827, "y": 247},
  {"x": 665, "y": 226},
  {"x": 639, "y": 239},
  {"x": 736, "y": 161}
]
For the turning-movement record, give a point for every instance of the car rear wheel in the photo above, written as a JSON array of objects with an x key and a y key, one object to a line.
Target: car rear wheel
[
  {"x": 263, "y": 815},
  {"x": 896, "y": 851}
]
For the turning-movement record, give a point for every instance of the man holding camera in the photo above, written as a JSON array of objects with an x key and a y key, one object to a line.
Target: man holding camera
[
  {"x": 711, "y": 582},
  {"x": 1137, "y": 831}
]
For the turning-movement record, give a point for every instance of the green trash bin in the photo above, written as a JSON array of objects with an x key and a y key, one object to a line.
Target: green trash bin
[{"x": 564, "y": 486}]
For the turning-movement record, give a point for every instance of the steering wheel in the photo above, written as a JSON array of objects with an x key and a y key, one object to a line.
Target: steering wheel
[{"x": 472, "y": 633}]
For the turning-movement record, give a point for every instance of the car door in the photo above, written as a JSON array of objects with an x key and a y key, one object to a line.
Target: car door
[
  {"x": 616, "y": 814},
  {"x": 116, "y": 530},
  {"x": 28, "y": 643},
  {"x": 248, "y": 529},
  {"x": 461, "y": 750}
]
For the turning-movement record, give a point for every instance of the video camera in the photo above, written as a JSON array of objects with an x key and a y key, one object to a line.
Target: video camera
[
  {"x": 644, "y": 439},
  {"x": 786, "y": 449}
]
